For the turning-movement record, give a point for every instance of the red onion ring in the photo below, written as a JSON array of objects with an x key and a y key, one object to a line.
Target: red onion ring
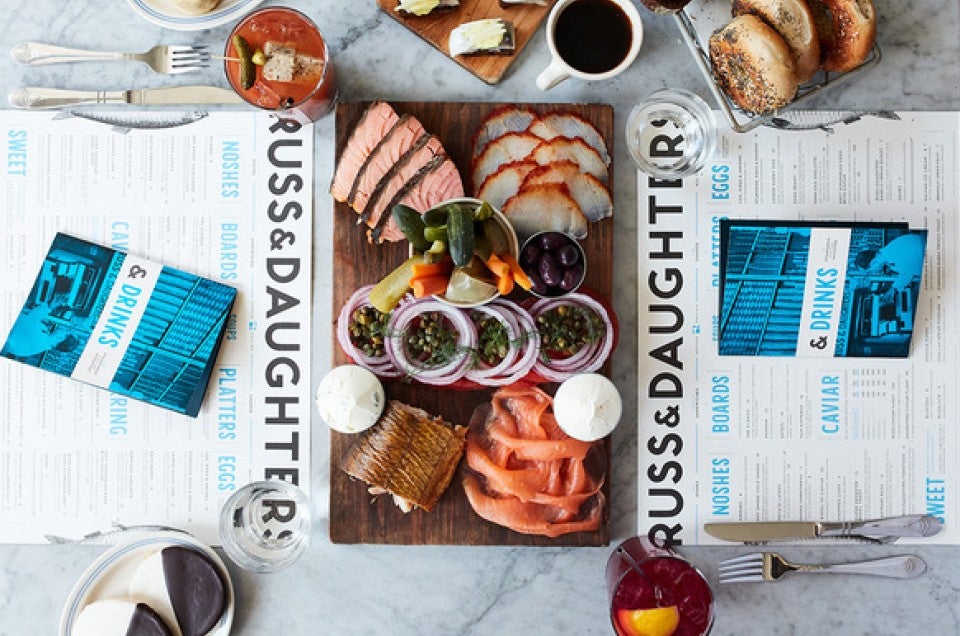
[
  {"x": 588, "y": 359},
  {"x": 528, "y": 342},
  {"x": 508, "y": 320},
  {"x": 440, "y": 375},
  {"x": 379, "y": 365}
]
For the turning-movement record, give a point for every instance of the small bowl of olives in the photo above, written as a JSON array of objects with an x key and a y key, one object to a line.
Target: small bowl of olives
[{"x": 555, "y": 263}]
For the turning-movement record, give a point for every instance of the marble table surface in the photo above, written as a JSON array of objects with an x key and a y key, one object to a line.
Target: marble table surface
[{"x": 337, "y": 589}]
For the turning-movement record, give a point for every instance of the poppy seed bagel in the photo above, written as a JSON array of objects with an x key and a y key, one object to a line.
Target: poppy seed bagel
[
  {"x": 793, "y": 20},
  {"x": 753, "y": 65}
]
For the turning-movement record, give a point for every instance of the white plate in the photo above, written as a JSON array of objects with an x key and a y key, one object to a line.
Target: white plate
[
  {"x": 109, "y": 576},
  {"x": 166, "y": 14}
]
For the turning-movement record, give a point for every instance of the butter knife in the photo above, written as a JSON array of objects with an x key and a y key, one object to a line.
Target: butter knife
[
  {"x": 38, "y": 98},
  {"x": 759, "y": 531}
]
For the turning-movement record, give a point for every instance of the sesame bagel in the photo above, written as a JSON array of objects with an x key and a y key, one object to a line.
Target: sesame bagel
[
  {"x": 793, "y": 20},
  {"x": 753, "y": 65},
  {"x": 848, "y": 30}
]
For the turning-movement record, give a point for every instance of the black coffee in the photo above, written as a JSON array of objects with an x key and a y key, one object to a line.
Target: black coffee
[{"x": 593, "y": 36}]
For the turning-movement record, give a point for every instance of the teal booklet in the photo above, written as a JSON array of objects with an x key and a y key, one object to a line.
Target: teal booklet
[
  {"x": 117, "y": 321},
  {"x": 820, "y": 289}
]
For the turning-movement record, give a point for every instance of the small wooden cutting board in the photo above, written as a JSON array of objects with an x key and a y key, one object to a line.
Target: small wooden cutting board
[{"x": 435, "y": 28}]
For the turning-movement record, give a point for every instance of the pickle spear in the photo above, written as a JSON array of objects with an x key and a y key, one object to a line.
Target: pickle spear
[{"x": 248, "y": 70}]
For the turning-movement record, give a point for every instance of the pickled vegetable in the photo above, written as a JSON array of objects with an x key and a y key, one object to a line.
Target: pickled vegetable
[
  {"x": 466, "y": 288},
  {"x": 387, "y": 293},
  {"x": 411, "y": 224},
  {"x": 460, "y": 235},
  {"x": 248, "y": 70}
]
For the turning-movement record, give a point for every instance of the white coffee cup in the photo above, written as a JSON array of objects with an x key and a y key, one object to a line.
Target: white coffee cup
[{"x": 559, "y": 70}]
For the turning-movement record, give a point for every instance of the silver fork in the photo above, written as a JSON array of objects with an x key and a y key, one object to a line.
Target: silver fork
[
  {"x": 770, "y": 566},
  {"x": 163, "y": 58}
]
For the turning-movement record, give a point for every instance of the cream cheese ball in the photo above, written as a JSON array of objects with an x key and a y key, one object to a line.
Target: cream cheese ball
[
  {"x": 350, "y": 399},
  {"x": 587, "y": 407}
]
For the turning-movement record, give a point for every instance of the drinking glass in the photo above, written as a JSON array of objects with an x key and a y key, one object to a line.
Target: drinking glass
[
  {"x": 305, "y": 100},
  {"x": 644, "y": 576},
  {"x": 265, "y": 526},
  {"x": 671, "y": 134}
]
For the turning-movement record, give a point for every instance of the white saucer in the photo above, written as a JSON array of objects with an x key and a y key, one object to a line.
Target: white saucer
[
  {"x": 109, "y": 576},
  {"x": 166, "y": 14}
]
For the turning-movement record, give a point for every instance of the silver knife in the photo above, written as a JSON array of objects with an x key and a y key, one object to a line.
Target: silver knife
[
  {"x": 759, "y": 531},
  {"x": 35, "y": 98}
]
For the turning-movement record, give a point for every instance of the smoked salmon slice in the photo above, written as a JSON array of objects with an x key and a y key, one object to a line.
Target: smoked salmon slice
[{"x": 525, "y": 473}]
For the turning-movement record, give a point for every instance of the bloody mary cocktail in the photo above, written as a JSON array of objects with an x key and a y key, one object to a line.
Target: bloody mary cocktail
[{"x": 294, "y": 73}]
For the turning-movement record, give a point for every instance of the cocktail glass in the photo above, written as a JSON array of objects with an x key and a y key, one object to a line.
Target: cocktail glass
[
  {"x": 313, "y": 93},
  {"x": 641, "y": 577},
  {"x": 265, "y": 526}
]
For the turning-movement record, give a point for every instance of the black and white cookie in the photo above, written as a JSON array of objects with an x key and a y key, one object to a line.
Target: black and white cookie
[
  {"x": 184, "y": 586},
  {"x": 119, "y": 617}
]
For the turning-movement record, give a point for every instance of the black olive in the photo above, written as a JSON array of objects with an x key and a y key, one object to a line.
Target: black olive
[
  {"x": 552, "y": 241},
  {"x": 550, "y": 272},
  {"x": 568, "y": 255},
  {"x": 571, "y": 278},
  {"x": 537, "y": 283},
  {"x": 531, "y": 254}
]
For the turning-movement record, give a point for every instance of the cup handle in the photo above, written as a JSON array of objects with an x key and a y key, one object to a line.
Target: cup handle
[{"x": 551, "y": 76}]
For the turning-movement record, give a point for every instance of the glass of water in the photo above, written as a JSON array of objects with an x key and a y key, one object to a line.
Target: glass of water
[
  {"x": 671, "y": 134},
  {"x": 265, "y": 526}
]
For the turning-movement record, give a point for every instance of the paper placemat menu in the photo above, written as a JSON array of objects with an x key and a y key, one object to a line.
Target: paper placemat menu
[
  {"x": 228, "y": 197},
  {"x": 751, "y": 438}
]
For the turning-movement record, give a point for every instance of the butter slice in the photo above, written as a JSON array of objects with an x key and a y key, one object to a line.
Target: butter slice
[{"x": 480, "y": 35}]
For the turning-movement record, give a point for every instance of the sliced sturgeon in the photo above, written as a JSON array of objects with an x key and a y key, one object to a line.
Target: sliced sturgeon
[
  {"x": 439, "y": 184},
  {"x": 424, "y": 150},
  {"x": 573, "y": 126},
  {"x": 503, "y": 150},
  {"x": 591, "y": 195},
  {"x": 544, "y": 207},
  {"x": 500, "y": 121},
  {"x": 575, "y": 150},
  {"x": 374, "y": 124},
  {"x": 506, "y": 182},
  {"x": 395, "y": 144},
  {"x": 399, "y": 187}
]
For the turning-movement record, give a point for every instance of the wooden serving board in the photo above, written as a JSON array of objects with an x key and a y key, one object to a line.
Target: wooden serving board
[
  {"x": 435, "y": 28},
  {"x": 354, "y": 518}
]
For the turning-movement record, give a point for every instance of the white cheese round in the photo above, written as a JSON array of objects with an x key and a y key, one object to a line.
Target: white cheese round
[
  {"x": 587, "y": 407},
  {"x": 350, "y": 399}
]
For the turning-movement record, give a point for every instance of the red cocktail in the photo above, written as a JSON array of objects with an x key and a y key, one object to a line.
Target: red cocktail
[
  {"x": 294, "y": 73},
  {"x": 654, "y": 592}
]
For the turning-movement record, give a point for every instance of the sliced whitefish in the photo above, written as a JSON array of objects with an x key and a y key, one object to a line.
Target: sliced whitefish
[
  {"x": 590, "y": 193},
  {"x": 573, "y": 126},
  {"x": 545, "y": 207},
  {"x": 505, "y": 182},
  {"x": 575, "y": 150},
  {"x": 500, "y": 121},
  {"x": 503, "y": 150}
]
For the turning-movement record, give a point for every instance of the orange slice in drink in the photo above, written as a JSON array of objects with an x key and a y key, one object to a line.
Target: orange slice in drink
[{"x": 657, "y": 621}]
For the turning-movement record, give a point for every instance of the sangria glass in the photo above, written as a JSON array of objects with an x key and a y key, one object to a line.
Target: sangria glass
[
  {"x": 312, "y": 92},
  {"x": 654, "y": 591}
]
